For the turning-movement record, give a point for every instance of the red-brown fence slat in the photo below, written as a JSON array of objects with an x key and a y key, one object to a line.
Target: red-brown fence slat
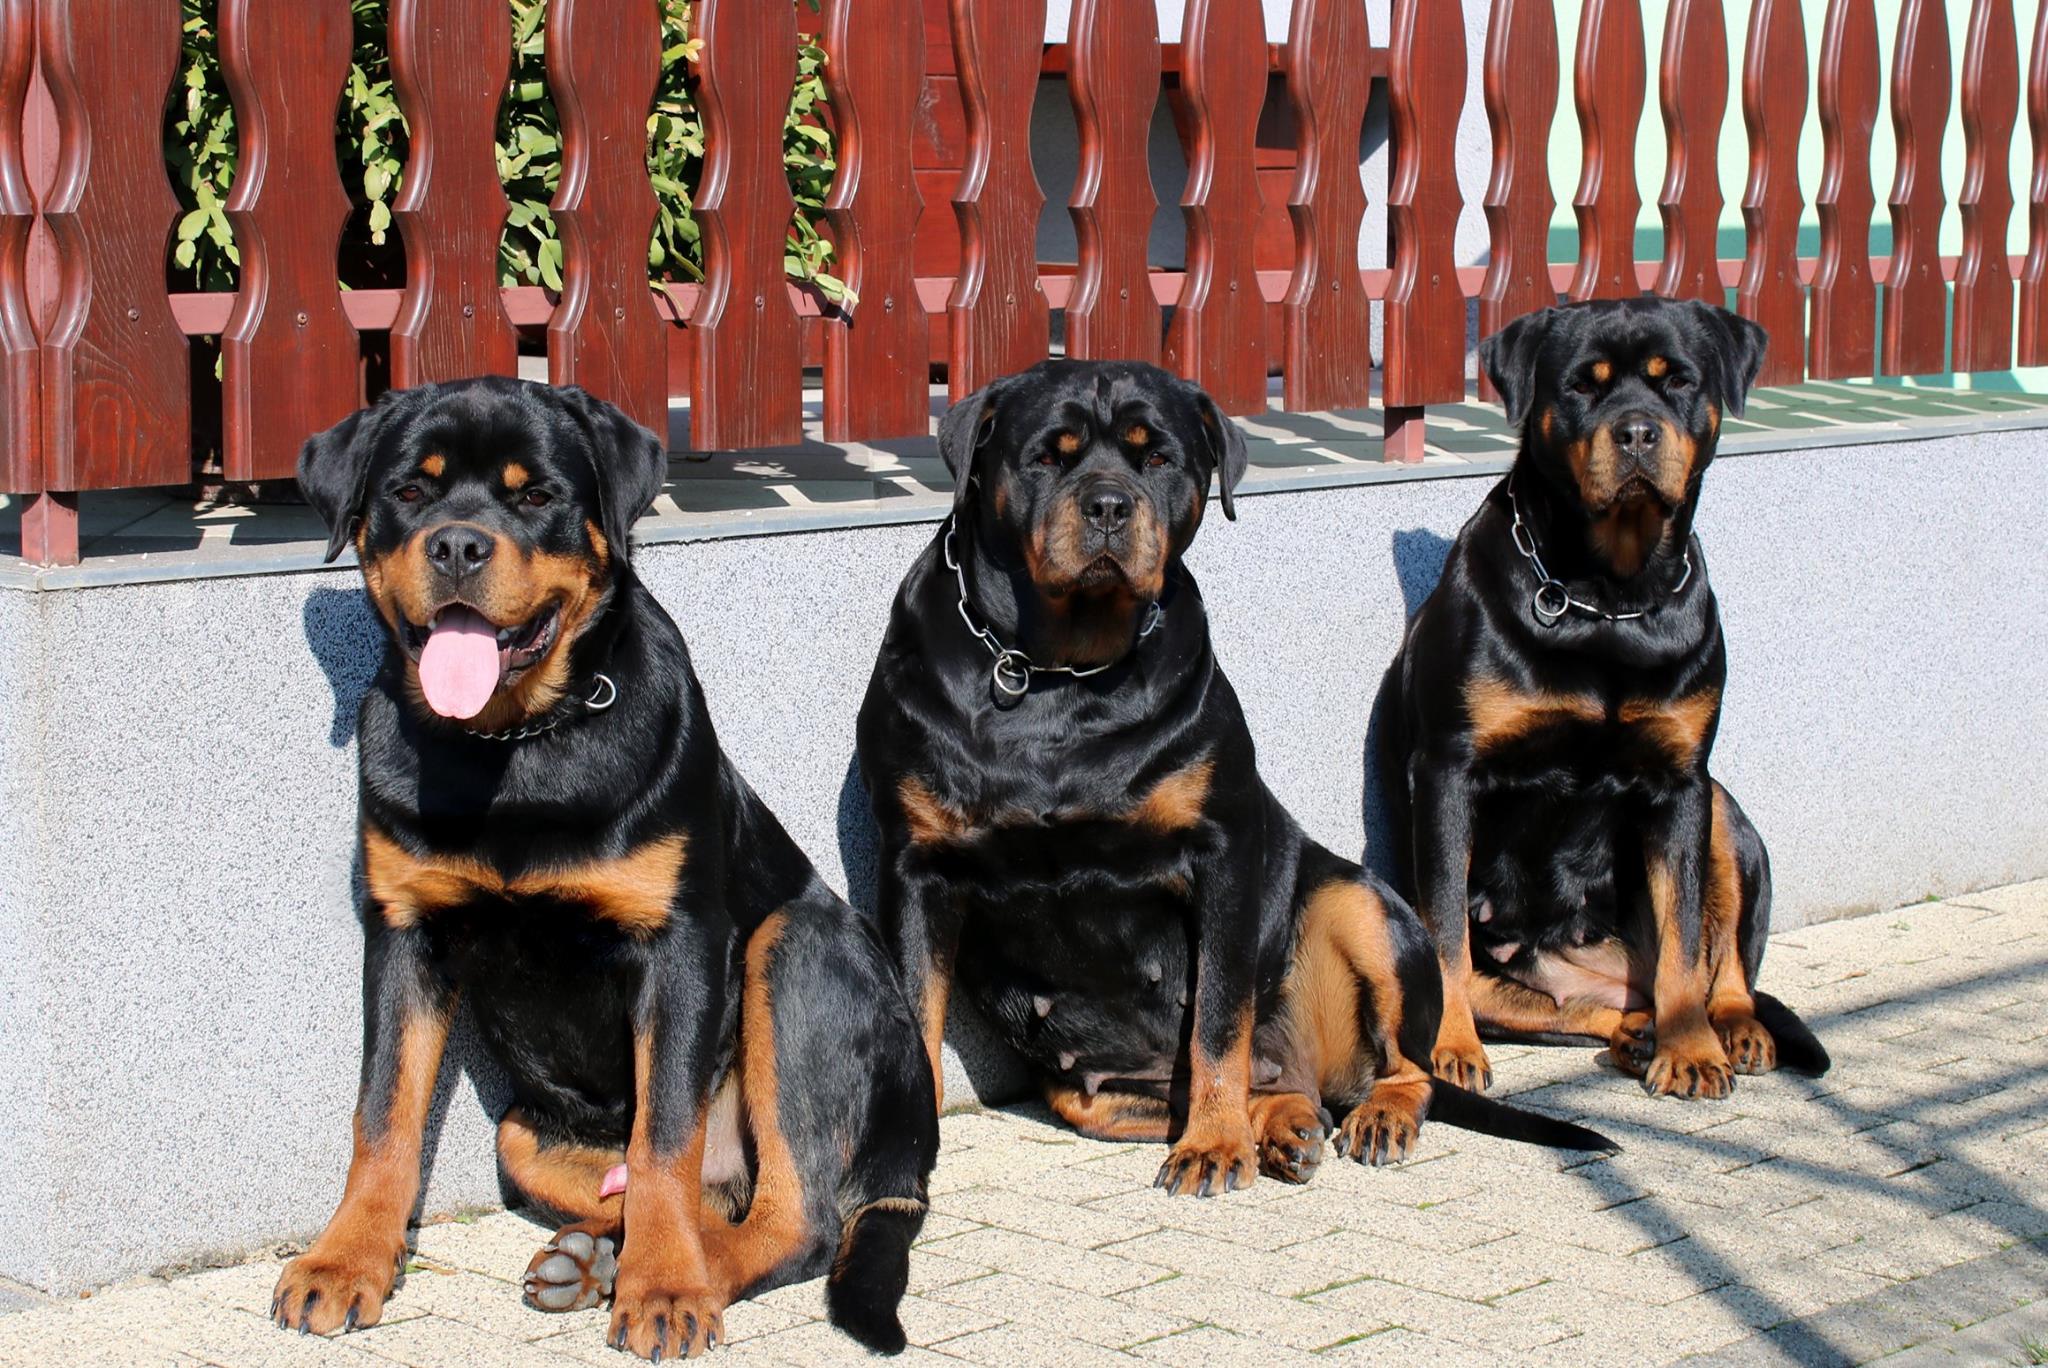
[
  {"x": 1521, "y": 80},
  {"x": 749, "y": 381},
  {"x": 115, "y": 367},
  {"x": 21, "y": 454},
  {"x": 2033, "y": 329},
  {"x": 1844, "y": 303},
  {"x": 1608, "y": 83},
  {"x": 449, "y": 62},
  {"x": 603, "y": 60},
  {"x": 1425, "y": 309},
  {"x": 1990, "y": 102},
  {"x": 997, "y": 312},
  {"x": 1329, "y": 344},
  {"x": 1217, "y": 338},
  {"x": 1774, "y": 111},
  {"x": 877, "y": 353},
  {"x": 290, "y": 361},
  {"x": 1915, "y": 296},
  {"x": 1692, "y": 91},
  {"x": 1113, "y": 80}
]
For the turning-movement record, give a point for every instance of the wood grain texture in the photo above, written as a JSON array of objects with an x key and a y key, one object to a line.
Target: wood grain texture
[
  {"x": 1217, "y": 338},
  {"x": 1521, "y": 80},
  {"x": 2033, "y": 326},
  {"x": 997, "y": 313},
  {"x": 1692, "y": 92},
  {"x": 290, "y": 361},
  {"x": 449, "y": 62},
  {"x": 1608, "y": 83},
  {"x": 1843, "y": 330},
  {"x": 877, "y": 353},
  {"x": 1328, "y": 344},
  {"x": 21, "y": 451},
  {"x": 747, "y": 389},
  {"x": 115, "y": 366},
  {"x": 1425, "y": 309},
  {"x": 1990, "y": 105},
  {"x": 1774, "y": 112},
  {"x": 1915, "y": 297},
  {"x": 603, "y": 59},
  {"x": 1113, "y": 81}
]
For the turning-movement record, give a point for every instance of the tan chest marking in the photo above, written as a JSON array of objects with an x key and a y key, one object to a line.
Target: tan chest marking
[
  {"x": 1175, "y": 803},
  {"x": 1679, "y": 727},
  {"x": 1501, "y": 713},
  {"x": 633, "y": 891}
]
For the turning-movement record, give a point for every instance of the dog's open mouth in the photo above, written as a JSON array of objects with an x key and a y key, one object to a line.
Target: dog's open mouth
[{"x": 464, "y": 657}]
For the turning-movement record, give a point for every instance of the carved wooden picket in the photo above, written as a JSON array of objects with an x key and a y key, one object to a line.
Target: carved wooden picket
[
  {"x": 1990, "y": 102},
  {"x": 290, "y": 359},
  {"x": 21, "y": 454},
  {"x": 1329, "y": 360},
  {"x": 1607, "y": 87},
  {"x": 1113, "y": 79},
  {"x": 1521, "y": 100},
  {"x": 2033, "y": 326},
  {"x": 1844, "y": 305},
  {"x": 1915, "y": 297},
  {"x": 1692, "y": 91},
  {"x": 603, "y": 60},
  {"x": 1774, "y": 111}
]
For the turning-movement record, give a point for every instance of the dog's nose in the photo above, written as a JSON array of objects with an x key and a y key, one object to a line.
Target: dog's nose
[
  {"x": 1108, "y": 508},
  {"x": 1636, "y": 435},
  {"x": 459, "y": 549}
]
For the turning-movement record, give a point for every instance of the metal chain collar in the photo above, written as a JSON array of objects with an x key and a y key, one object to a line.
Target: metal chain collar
[
  {"x": 603, "y": 694},
  {"x": 1552, "y": 600},
  {"x": 1013, "y": 669}
]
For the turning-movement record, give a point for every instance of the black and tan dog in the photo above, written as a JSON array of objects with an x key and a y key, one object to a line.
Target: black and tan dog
[
  {"x": 1072, "y": 820},
  {"x": 1547, "y": 723},
  {"x": 551, "y": 831}
]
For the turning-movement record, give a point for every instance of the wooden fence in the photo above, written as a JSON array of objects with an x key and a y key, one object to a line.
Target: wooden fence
[{"x": 94, "y": 351}]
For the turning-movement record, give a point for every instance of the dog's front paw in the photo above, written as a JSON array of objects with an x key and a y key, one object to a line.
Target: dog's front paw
[
  {"x": 1748, "y": 1043},
  {"x": 1212, "y": 1162},
  {"x": 1689, "y": 1064},
  {"x": 322, "y": 1292},
  {"x": 654, "y": 1320},
  {"x": 574, "y": 1271},
  {"x": 1634, "y": 1043},
  {"x": 1290, "y": 1130},
  {"x": 1461, "y": 1060},
  {"x": 1379, "y": 1130}
]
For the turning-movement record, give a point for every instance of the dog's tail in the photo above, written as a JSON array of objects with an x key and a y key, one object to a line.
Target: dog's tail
[
  {"x": 869, "y": 1276},
  {"x": 1798, "y": 1047},
  {"x": 1455, "y": 1106}
]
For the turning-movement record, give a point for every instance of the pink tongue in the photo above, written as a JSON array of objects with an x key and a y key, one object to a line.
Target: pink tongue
[
  {"x": 459, "y": 664},
  {"x": 614, "y": 1181}
]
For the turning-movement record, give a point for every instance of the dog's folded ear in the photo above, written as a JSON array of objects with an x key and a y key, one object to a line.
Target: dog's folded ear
[
  {"x": 1226, "y": 449},
  {"x": 965, "y": 429},
  {"x": 1509, "y": 359},
  {"x": 1738, "y": 352},
  {"x": 334, "y": 470},
  {"x": 631, "y": 460}
]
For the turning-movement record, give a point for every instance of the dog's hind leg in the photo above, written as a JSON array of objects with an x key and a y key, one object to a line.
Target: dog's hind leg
[{"x": 575, "y": 1269}]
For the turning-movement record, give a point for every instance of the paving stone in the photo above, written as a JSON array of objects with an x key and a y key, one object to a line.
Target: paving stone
[
  {"x": 1207, "y": 1346},
  {"x": 1021, "y": 1346},
  {"x": 1107, "y": 1321},
  {"x": 1105, "y": 1271},
  {"x": 496, "y": 1246},
  {"x": 1306, "y": 1323}
]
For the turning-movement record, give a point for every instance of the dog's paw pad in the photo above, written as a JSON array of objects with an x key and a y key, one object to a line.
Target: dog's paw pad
[{"x": 572, "y": 1272}]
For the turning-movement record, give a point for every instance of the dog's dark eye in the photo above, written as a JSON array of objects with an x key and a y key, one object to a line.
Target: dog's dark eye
[
  {"x": 1155, "y": 459},
  {"x": 407, "y": 493},
  {"x": 1679, "y": 382},
  {"x": 536, "y": 498},
  {"x": 1582, "y": 388},
  {"x": 1047, "y": 458}
]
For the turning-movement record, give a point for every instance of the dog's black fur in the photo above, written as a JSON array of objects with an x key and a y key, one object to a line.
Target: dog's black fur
[
  {"x": 1097, "y": 859},
  {"x": 1615, "y": 891},
  {"x": 660, "y": 971}
]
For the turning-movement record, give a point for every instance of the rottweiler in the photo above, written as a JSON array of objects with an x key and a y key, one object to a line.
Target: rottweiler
[
  {"x": 1072, "y": 821},
  {"x": 550, "y": 831},
  {"x": 1546, "y": 725}
]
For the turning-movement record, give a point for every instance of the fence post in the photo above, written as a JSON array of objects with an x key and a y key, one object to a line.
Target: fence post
[
  {"x": 1915, "y": 297},
  {"x": 2034, "y": 280},
  {"x": 21, "y": 449},
  {"x": 1521, "y": 102},
  {"x": 603, "y": 63},
  {"x": 1425, "y": 309},
  {"x": 878, "y": 354},
  {"x": 1844, "y": 305},
  {"x": 1608, "y": 83},
  {"x": 115, "y": 366},
  {"x": 1774, "y": 112},
  {"x": 290, "y": 360},
  {"x": 1218, "y": 334},
  {"x": 1991, "y": 97},
  {"x": 1113, "y": 82},
  {"x": 1329, "y": 337},
  {"x": 997, "y": 312},
  {"x": 449, "y": 62},
  {"x": 1692, "y": 91}
]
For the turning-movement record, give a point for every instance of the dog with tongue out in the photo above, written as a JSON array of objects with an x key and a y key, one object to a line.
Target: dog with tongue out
[{"x": 718, "y": 1086}]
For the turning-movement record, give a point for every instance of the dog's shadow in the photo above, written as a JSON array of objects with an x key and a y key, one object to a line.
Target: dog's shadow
[{"x": 1419, "y": 556}]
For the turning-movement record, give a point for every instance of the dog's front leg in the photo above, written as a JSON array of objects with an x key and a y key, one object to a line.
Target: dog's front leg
[
  {"x": 1689, "y": 1060},
  {"x": 1216, "y": 1151},
  {"x": 921, "y": 922},
  {"x": 1442, "y": 805},
  {"x": 340, "y": 1283},
  {"x": 665, "y": 1304}
]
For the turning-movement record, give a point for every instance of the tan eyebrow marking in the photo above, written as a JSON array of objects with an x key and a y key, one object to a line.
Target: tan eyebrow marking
[
  {"x": 1657, "y": 367},
  {"x": 434, "y": 465},
  {"x": 516, "y": 475},
  {"x": 1137, "y": 434},
  {"x": 1603, "y": 371},
  {"x": 1070, "y": 442}
]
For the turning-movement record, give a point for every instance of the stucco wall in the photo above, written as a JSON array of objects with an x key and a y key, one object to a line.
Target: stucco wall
[{"x": 179, "y": 987}]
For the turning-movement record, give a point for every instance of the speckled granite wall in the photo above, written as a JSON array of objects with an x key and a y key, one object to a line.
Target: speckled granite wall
[{"x": 178, "y": 989}]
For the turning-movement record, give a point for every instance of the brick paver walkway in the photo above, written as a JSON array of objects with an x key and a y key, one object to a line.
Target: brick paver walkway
[{"x": 1897, "y": 1207}]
